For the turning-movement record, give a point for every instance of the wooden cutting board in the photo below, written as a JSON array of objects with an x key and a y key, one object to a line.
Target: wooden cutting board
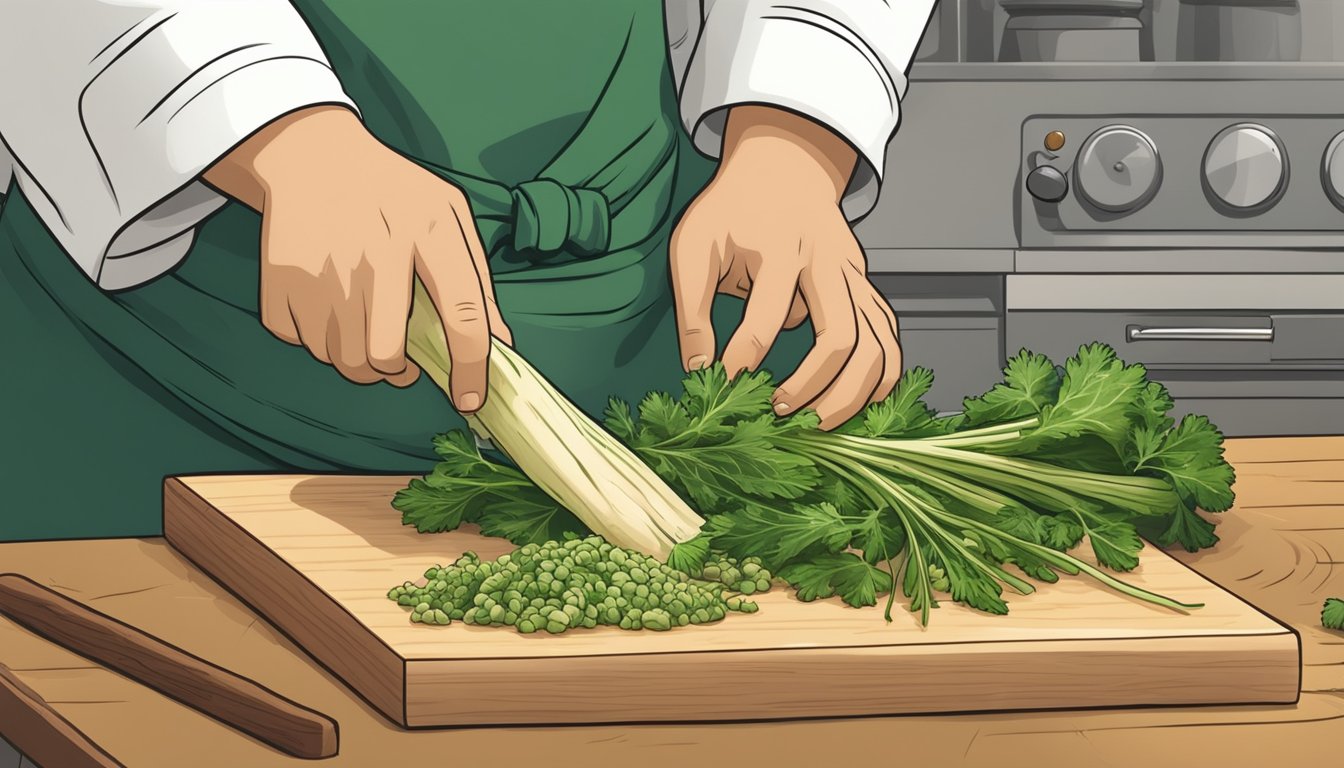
[{"x": 316, "y": 556}]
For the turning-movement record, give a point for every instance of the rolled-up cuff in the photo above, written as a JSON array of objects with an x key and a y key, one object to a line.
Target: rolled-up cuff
[
  {"x": 153, "y": 166},
  {"x": 822, "y": 72}
]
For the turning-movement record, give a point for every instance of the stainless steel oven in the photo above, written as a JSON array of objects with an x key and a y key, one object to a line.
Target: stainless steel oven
[{"x": 1163, "y": 175}]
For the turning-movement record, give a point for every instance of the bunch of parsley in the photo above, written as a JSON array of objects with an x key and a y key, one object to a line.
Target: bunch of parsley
[{"x": 897, "y": 498}]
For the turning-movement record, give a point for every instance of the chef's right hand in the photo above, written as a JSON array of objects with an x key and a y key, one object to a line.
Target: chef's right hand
[{"x": 347, "y": 224}]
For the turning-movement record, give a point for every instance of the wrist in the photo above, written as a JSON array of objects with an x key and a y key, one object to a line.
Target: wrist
[
  {"x": 785, "y": 150},
  {"x": 290, "y": 147}
]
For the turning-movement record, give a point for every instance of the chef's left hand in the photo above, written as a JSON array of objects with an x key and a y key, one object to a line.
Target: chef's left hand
[{"x": 768, "y": 228}]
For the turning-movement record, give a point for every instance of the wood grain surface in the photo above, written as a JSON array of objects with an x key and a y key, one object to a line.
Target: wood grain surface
[
  {"x": 1280, "y": 551},
  {"x": 33, "y": 725},
  {"x": 227, "y": 697},
  {"x": 317, "y": 554}
]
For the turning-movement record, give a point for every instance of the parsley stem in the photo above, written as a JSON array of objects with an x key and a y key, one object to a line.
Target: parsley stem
[
  {"x": 911, "y": 549},
  {"x": 980, "y": 432}
]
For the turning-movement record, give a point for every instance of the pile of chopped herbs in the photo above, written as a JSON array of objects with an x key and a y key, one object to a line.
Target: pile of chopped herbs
[
  {"x": 952, "y": 507},
  {"x": 579, "y": 583}
]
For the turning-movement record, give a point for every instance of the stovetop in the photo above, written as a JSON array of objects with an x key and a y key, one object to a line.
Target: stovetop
[{"x": 1120, "y": 180}]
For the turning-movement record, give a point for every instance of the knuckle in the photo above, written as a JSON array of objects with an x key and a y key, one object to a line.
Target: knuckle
[
  {"x": 757, "y": 345},
  {"x": 467, "y": 313}
]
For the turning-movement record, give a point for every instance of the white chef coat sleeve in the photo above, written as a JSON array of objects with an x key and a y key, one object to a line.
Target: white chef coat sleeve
[
  {"x": 111, "y": 109},
  {"x": 842, "y": 63}
]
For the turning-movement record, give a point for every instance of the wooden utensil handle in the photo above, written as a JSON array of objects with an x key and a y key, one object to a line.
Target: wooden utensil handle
[{"x": 209, "y": 689}]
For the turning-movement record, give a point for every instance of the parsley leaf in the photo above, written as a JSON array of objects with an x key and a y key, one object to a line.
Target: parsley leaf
[
  {"x": 856, "y": 582},
  {"x": 903, "y": 413},
  {"x": 690, "y": 556},
  {"x": 465, "y": 488},
  {"x": 532, "y": 524},
  {"x": 1115, "y": 542},
  {"x": 1061, "y": 533},
  {"x": 877, "y": 534},
  {"x": 778, "y": 534},
  {"x": 663, "y": 418},
  {"x": 1332, "y": 613},
  {"x": 711, "y": 399},
  {"x": 1189, "y": 530},
  {"x": 733, "y": 467},
  {"x": 619, "y": 421},
  {"x": 1030, "y": 383},
  {"x": 1192, "y": 457},
  {"x": 1152, "y": 406},
  {"x": 1096, "y": 396}
]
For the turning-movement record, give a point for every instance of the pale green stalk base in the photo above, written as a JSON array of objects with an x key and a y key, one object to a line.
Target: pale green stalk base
[{"x": 570, "y": 457}]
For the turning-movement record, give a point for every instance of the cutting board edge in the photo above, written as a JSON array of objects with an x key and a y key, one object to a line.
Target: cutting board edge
[
  {"x": 788, "y": 684},
  {"x": 1280, "y": 623},
  {"x": 184, "y": 507}
]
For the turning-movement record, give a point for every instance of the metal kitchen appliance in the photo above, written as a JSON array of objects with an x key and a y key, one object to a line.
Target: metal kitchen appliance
[
  {"x": 1071, "y": 30},
  {"x": 1185, "y": 206}
]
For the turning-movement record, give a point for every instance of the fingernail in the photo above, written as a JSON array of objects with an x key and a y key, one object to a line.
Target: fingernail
[
  {"x": 782, "y": 409},
  {"x": 696, "y": 363},
  {"x": 469, "y": 401}
]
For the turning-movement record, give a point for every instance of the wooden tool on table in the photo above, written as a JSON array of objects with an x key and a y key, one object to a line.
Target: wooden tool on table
[
  {"x": 209, "y": 689},
  {"x": 30, "y": 716}
]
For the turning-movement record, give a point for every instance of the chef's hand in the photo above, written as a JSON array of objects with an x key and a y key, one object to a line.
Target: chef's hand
[
  {"x": 346, "y": 225},
  {"x": 768, "y": 228}
]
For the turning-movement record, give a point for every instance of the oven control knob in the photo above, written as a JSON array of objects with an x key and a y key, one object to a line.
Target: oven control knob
[
  {"x": 1332, "y": 174},
  {"x": 1047, "y": 184},
  {"x": 1118, "y": 169},
  {"x": 1245, "y": 167}
]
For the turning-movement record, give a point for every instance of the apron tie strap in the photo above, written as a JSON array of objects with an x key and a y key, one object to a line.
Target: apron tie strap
[{"x": 550, "y": 217}]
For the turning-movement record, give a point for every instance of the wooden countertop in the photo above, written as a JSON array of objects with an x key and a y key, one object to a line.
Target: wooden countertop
[{"x": 1279, "y": 551}]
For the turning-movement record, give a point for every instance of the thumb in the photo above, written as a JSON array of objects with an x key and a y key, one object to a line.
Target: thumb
[{"x": 695, "y": 277}]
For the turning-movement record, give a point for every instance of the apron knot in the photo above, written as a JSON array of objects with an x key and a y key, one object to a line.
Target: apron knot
[{"x": 550, "y": 217}]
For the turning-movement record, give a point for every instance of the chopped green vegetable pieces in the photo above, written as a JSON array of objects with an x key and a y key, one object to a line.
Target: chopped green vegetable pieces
[
  {"x": 578, "y": 583},
  {"x": 1332, "y": 613}
]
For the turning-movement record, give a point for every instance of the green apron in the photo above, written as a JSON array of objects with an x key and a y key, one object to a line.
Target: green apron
[{"x": 559, "y": 121}]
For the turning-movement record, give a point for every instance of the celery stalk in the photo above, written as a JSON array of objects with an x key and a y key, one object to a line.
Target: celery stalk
[{"x": 570, "y": 457}]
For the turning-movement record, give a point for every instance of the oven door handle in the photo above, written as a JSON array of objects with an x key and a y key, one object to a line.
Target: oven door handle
[{"x": 1146, "y": 333}]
